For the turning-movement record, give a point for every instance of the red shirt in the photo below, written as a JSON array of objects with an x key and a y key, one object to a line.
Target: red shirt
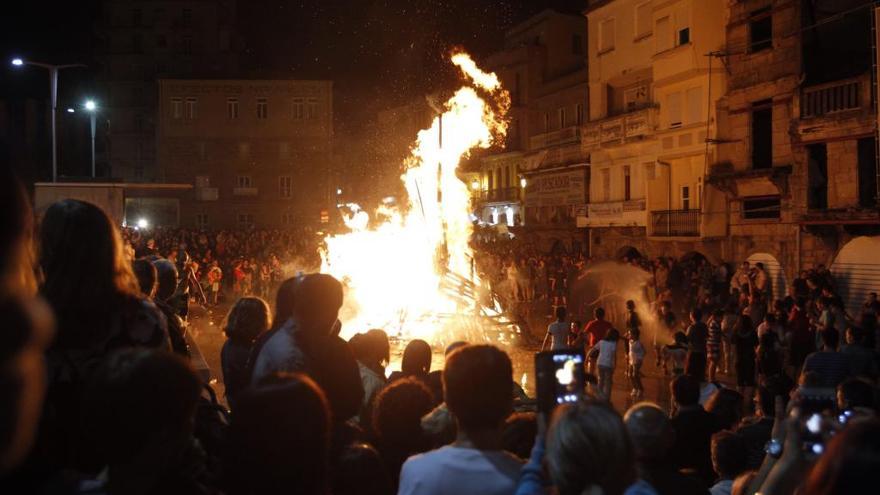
[{"x": 596, "y": 330}]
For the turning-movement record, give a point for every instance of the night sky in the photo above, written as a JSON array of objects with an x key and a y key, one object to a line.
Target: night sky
[{"x": 378, "y": 52}]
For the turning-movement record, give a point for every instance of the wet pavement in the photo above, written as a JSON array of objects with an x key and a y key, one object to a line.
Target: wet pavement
[{"x": 205, "y": 327}]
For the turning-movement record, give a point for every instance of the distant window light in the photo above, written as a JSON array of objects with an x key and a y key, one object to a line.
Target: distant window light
[
  {"x": 232, "y": 108},
  {"x": 298, "y": 109},
  {"x": 192, "y": 109},
  {"x": 285, "y": 186},
  {"x": 262, "y": 108},
  {"x": 244, "y": 181},
  {"x": 311, "y": 108},
  {"x": 176, "y": 108}
]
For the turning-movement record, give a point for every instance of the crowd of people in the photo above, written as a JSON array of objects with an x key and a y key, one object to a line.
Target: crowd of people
[
  {"x": 227, "y": 264},
  {"x": 97, "y": 394}
]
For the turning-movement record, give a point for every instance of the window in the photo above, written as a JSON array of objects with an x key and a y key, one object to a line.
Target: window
[
  {"x": 762, "y": 134},
  {"x": 244, "y": 150},
  {"x": 663, "y": 34},
  {"x": 311, "y": 108},
  {"x": 817, "y": 176},
  {"x": 757, "y": 207},
  {"x": 244, "y": 181},
  {"x": 231, "y": 108},
  {"x": 606, "y": 185},
  {"x": 577, "y": 44},
  {"x": 285, "y": 186},
  {"x": 186, "y": 18},
  {"x": 245, "y": 220},
  {"x": 284, "y": 150},
  {"x": 137, "y": 43},
  {"x": 627, "y": 184},
  {"x": 694, "y": 98},
  {"x": 685, "y": 198},
  {"x": 560, "y": 115},
  {"x": 186, "y": 45},
  {"x": 760, "y": 30},
  {"x": 298, "y": 109},
  {"x": 176, "y": 108},
  {"x": 673, "y": 102},
  {"x": 161, "y": 41},
  {"x": 203, "y": 181},
  {"x": 635, "y": 97},
  {"x": 137, "y": 16},
  {"x": 191, "y": 107},
  {"x": 139, "y": 171},
  {"x": 579, "y": 113},
  {"x": 606, "y": 35},
  {"x": 287, "y": 219},
  {"x": 546, "y": 121},
  {"x": 262, "y": 108},
  {"x": 684, "y": 36},
  {"x": 644, "y": 13},
  {"x": 202, "y": 220},
  {"x": 138, "y": 121},
  {"x": 867, "y": 163},
  {"x": 202, "y": 150}
]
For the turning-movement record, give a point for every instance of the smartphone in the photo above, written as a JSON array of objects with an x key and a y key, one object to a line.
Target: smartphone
[
  {"x": 816, "y": 410},
  {"x": 559, "y": 378}
]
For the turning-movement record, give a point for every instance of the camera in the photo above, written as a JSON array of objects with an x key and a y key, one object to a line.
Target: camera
[{"x": 559, "y": 378}]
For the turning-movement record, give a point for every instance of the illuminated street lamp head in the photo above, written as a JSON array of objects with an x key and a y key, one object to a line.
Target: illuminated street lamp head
[
  {"x": 142, "y": 223},
  {"x": 90, "y": 105},
  {"x": 522, "y": 182},
  {"x": 475, "y": 185},
  {"x": 339, "y": 191},
  {"x": 17, "y": 62},
  {"x": 70, "y": 110}
]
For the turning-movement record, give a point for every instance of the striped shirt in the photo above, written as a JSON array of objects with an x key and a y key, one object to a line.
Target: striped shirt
[{"x": 713, "y": 341}]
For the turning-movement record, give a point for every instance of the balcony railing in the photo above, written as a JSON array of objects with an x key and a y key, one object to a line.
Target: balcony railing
[
  {"x": 567, "y": 135},
  {"x": 837, "y": 96},
  {"x": 244, "y": 191},
  {"x": 620, "y": 128},
  {"x": 207, "y": 194},
  {"x": 675, "y": 223},
  {"x": 505, "y": 194}
]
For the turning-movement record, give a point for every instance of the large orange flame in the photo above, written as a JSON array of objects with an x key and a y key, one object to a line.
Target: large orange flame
[{"x": 394, "y": 270}]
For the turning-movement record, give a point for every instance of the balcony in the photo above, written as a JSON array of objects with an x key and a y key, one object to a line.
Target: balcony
[
  {"x": 830, "y": 98},
  {"x": 621, "y": 128},
  {"x": 244, "y": 191},
  {"x": 675, "y": 223},
  {"x": 507, "y": 194},
  {"x": 207, "y": 194},
  {"x": 567, "y": 135}
]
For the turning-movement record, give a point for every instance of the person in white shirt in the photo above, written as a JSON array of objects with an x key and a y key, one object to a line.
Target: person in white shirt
[
  {"x": 558, "y": 330},
  {"x": 476, "y": 386},
  {"x": 636, "y": 357},
  {"x": 606, "y": 361}
]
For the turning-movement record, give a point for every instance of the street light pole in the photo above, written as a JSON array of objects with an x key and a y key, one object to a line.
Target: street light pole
[
  {"x": 92, "y": 109},
  {"x": 53, "y": 92}
]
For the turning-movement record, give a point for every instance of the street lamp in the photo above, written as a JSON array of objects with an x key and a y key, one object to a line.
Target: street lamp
[
  {"x": 53, "y": 91},
  {"x": 92, "y": 108}
]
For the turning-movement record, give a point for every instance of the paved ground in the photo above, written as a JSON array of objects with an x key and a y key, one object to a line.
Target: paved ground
[{"x": 205, "y": 328}]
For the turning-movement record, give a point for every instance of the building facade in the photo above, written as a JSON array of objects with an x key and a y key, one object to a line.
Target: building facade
[
  {"x": 797, "y": 167},
  {"x": 257, "y": 151},
  {"x": 654, "y": 82},
  {"x": 537, "y": 184},
  {"x": 141, "y": 41}
]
